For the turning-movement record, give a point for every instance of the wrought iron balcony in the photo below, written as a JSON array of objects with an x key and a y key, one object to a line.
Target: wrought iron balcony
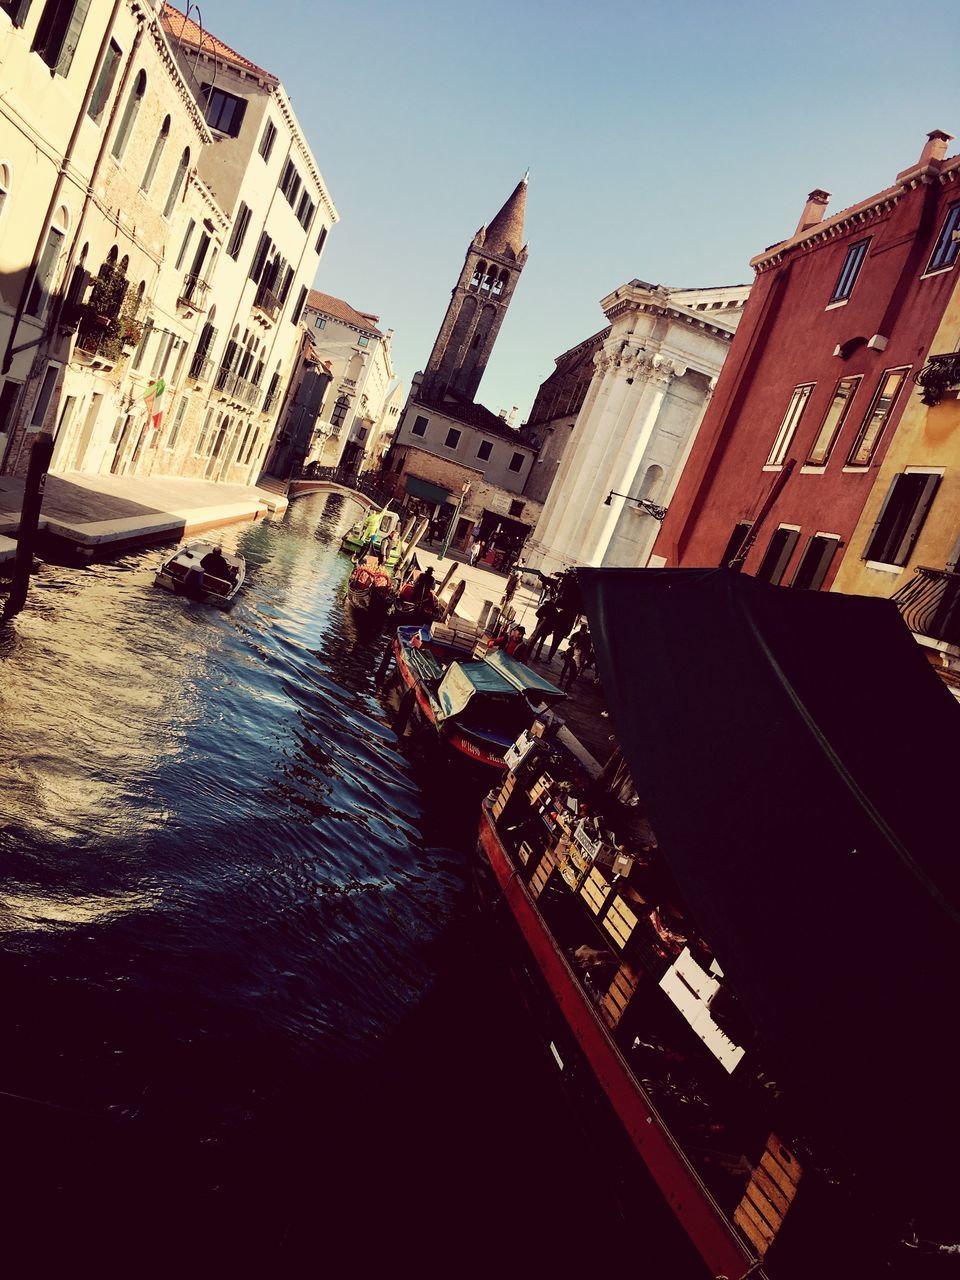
[
  {"x": 225, "y": 380},
  {"x": 201, "y": 367},
  {"x": 246, "y": 392},
  {"x": 939, "y": 375},
  {"x": 267, "y": 302},
  {"x": 930, "y": 604},
  {"x": 194, "y": 292}
]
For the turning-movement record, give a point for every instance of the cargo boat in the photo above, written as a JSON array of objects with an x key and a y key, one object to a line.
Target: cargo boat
[
  {"x": 792, "y": 1126},
  {"x": 477, "y": 707}
]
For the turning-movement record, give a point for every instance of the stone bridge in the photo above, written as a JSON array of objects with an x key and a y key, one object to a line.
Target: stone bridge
[{"x": 362, "y": 489}]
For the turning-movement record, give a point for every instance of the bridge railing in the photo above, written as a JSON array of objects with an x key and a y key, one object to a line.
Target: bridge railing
[{"x": 366, "y": 483}]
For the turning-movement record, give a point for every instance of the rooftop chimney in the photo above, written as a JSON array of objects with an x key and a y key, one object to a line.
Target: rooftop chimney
[
  {"x": 813, "y": 210},
  {"x": 935, "y": 147}
]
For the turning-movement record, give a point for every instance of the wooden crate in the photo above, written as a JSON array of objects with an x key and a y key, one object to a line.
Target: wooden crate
[
  {"x": 770, "y": 1192},
  {"x": 595, "y": 890},
  {"x": 525, "y": 851},
  {"x": 545, "y": 869},
  {"x": 620, "y": 921},
  {"x": 619, "y": 994}
]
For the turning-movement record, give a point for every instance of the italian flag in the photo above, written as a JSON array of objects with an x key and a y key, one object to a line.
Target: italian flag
[{"x": 151, "y": 398}]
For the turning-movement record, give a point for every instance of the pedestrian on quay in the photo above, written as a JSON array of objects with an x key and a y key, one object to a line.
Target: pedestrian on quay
[
  {"x": 476, "y": 551},
  {"x": 577, "y": 655},
  {"x": 546, "y": 618}
]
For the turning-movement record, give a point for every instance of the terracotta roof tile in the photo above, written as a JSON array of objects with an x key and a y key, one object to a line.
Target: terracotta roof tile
[
  {"x": 184, "y": 30},
  {"x": 340, "y": 310}
]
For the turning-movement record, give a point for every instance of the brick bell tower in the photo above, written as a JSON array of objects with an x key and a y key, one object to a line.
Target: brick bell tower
[{"x": 479, "y": 302}]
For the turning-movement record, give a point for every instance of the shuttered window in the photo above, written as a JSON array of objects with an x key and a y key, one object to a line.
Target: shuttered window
[
  {"x": 777, "y": 555},
  {"x": 58, "y": 33},
  {"x": 239, "y": 231},
  {"x": 901, "y": 517},
  {"x": 815, "y": 561},
  {"x": 735, "y": 542}
]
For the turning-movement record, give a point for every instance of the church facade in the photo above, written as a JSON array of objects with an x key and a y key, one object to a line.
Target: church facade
[{"x": 654, "y": 371}]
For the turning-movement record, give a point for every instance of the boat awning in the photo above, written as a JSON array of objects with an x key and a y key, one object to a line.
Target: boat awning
[
  {"x": 464, "y": 679},
  {"x": 521, "y": 677},
  {"x": 797, "y": 756},
  {"x": 417, "y": 488}
]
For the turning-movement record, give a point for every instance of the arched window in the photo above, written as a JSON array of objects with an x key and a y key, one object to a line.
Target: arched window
[
  {"x": 498, "y": 284},
  {"x": 339, "y": 411},
  {"x": 150, "y": 172},
  {"x": 488, "y": 277},
  {"x": 478, "y": 275},
  {"x": 129, "y": 117},
  {"x": 175, "y": 186},
  {"x": 46, "y": 271}
]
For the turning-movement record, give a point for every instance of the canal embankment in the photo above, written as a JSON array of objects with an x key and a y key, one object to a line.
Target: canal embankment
[{"x": 93, "y": 516}]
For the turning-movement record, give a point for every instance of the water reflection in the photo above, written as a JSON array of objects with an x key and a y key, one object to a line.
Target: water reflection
[{"x": 237, "y": 975}]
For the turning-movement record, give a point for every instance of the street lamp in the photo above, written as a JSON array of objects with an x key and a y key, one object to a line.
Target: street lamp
[{"x": 644, "y": 504}]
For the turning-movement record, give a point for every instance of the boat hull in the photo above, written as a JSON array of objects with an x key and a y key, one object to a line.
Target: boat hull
[
  {"x": 705, "y": 1224},
  {"x": 192, "y": 588},
  {"x": 472, "y": 745}
]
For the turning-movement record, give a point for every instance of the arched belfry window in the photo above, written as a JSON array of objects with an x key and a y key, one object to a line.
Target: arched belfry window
[
  {"x": 129, "y": 117},
  {"x": 499, "y": 283},
  {"x": 487, "y": 278},
  {"x": 478, "y": 274}
]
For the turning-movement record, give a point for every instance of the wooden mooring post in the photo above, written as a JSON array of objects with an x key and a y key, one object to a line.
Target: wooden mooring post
[{"x": 40, "y": 455}]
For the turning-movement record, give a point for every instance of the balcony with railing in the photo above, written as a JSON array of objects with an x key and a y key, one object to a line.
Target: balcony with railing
[
  {"x": 193, "y": 292},
  {"x": 267, "y": 302},
  {"x": 247, "y": 392},
  {"x": 939, "y": 375},
  {"x": 930, "y": 604},
  {"x": 270, "y": 399},
  {"x": 225, "y": 380},
  {"x": 201, "y": 367}
]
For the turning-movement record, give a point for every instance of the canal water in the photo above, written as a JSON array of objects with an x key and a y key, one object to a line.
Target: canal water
[{"x": 249, "y": 1014}]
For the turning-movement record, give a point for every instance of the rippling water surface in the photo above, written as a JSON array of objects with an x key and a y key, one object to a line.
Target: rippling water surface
[{"x": 244, "y": 1011}]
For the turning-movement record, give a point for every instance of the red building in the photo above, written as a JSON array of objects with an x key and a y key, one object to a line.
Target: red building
[{"x": 840, "y": 318}]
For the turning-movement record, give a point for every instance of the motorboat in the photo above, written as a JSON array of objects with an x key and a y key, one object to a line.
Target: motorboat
[{"x": 203, "y": 571}]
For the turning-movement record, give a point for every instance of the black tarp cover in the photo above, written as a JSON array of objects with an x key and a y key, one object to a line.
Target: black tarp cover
[{"x": 798, "y": 758}]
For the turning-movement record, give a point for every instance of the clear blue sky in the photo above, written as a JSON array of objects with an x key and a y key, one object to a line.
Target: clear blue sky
[{"x": 668, "y": 140}]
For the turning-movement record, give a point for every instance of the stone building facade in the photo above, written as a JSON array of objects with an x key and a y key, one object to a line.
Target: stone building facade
[
  {"x": 842, "y": 314},
  {"x": 357, "y": 357},
  {"x": 654, "y": 373},
  {"x": 172, "y": 273},
  {"x": 556, "y": 408}
]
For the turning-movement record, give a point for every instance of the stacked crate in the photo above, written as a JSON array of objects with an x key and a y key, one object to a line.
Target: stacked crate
[
  {"x": 504, "y": 794},
  {"x": 595, "y": 891},
  {"x": 545, "y": 868},
  {"x": 619, "y": 994},
  {"x": 623, "y": 915}
]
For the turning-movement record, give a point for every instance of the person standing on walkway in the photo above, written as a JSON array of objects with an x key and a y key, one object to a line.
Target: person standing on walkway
[
  {"x": 546, "y": 618},
  {"x": 568, "y": 605},
  {"x": 476, "y": 551}
]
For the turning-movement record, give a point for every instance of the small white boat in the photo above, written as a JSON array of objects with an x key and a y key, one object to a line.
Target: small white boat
[{"x": 203, "y": 571}]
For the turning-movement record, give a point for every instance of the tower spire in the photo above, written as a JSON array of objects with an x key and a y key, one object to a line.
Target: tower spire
[
  {"x": 505, "y": 233},
  {"x": 491, "y": 269}
]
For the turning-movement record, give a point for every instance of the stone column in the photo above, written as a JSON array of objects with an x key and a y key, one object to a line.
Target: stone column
[
  {"x": 610, "y": 423},
  {"x": 622, "y": 465}
]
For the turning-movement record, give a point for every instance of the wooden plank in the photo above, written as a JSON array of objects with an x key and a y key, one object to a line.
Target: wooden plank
[
  {"x": 784, "y": 1158},
  {"x": 770, "y": 1189},
  {"x": 758, "y": 1221},
  {"x": 764, "y": 1207},
  {"x": 751, "y": 1232},
  {"x": 776, "y": 1172}
]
